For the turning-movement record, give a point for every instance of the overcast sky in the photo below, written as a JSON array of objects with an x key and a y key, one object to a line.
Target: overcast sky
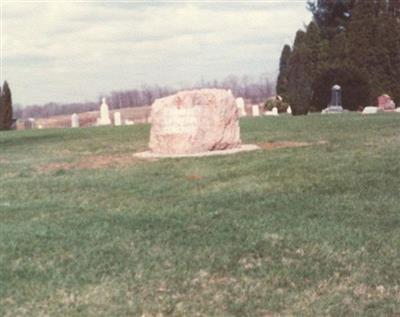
[{"x": 63, "y": 51}]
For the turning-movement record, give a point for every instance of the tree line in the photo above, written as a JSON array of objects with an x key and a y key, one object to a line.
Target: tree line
[
  {"x": 254, "y": 90},
  {"x": 352, "y": 43}
]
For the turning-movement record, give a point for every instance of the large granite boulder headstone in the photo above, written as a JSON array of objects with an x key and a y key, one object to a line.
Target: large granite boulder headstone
[{"x": 194, "y": 121}]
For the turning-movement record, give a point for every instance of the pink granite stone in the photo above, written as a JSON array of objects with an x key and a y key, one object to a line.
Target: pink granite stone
[
  {"x": 386, "y": 103},
  {"x": 194, "y": 121}
]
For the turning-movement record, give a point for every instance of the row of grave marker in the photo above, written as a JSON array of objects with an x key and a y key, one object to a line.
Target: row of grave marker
[
  {"x": 117, "y": 120},
  {"x": 104, "y": 117},
  {"x": 335, "y": 106},
  {"x": 255, "y": 109}
]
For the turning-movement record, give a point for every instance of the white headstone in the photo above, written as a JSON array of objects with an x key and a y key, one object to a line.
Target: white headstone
[
  {"x": 117, "y": 118},
  {"x": 289, "y": 110},
  {"x": 256, "y": 110},
  {"x": 104, "y": 114},
  {"x": 240, "y": 105},
  {"x": 397, "y": 109},
  {"x": 74, "y": 121},
  {"x": 30, "y": 123},
  {"x": 274, "y": 112},
  {"x": 370, "y": 110},
  {"x": 129, "y": 122}
]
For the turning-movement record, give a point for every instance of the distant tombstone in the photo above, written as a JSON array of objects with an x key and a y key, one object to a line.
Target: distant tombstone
[
  {"x": 255, "y": 110},
  {"x": 74, "y": 121},
  {"x": 240, "y": 105},
  {"x": 289, "y": 110},
  {"x": 335, "y": 105},
  {"x": 386, "y": 103},
  {"x": 370, "y": 110},
  {"x": 29, "y": 124},
  {"x": 129, "y": 122},
  {"x": 273, "y": 112},
  {"x": 117, "y": 118},
  {"x": 104, "y": 114},
  {"x": 336, "y": 99}
]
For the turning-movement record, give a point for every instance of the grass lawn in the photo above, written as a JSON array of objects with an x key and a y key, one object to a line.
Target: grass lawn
[{"x": 87, "y": 230}]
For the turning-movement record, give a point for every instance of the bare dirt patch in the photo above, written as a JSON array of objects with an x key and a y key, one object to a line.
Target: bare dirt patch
[
  {"x": 194, "y": 177},
  {"x": 286, "y": 144},
  {"x": 4, "y": 161},
  {"x": 122, "y": 160},
  {"x": 92, "y": 162}
]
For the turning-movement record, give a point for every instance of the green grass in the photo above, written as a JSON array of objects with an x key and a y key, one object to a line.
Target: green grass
[{"x": 306, "y": 231}]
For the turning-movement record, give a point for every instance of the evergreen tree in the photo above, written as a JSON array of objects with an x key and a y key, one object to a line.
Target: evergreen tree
[
  {"x": 394, "y": 8},
  {"x": 6, "y": 113},
  {"x": 354, "y": 83},
  {"x": 281, "y": 86},
  {"x": 309, "y": 53},
  {"x": 331, "y": 16},
  {"x": 338, "y": 53},
  {"x": 354, "y": 43},
  {"x": 318, "y": 49},
  {"x": 391, "y": 41},
  {"x": 374, "y": 46},
  {"x": 299, "y": 83},
  {"x": 1, "y": 109}
]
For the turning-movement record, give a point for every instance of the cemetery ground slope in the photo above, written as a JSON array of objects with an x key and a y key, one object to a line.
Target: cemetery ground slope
[{"x": 288, "y": 230}]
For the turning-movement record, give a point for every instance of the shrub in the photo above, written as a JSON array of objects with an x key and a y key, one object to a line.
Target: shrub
[{"x": 279, "y": 104}]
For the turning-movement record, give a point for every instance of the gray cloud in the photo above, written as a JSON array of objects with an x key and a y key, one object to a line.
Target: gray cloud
[{"x": 79, "y": 50}]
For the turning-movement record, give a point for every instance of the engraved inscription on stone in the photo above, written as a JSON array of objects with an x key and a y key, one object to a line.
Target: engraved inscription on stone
[
  {"x": 182, "y": 120},
  {"x": 194, "y": 121}
]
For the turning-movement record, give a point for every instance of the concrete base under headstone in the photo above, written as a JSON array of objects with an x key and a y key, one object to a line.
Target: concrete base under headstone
[
  {"x": 241, "y": 148},
  {"x": 333, "y": 109}
]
